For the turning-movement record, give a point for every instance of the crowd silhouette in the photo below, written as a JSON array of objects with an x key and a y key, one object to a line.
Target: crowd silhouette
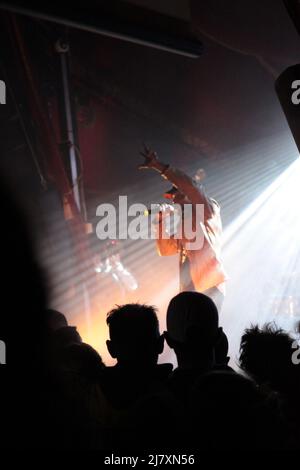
[{"x": 58, "y": 394}]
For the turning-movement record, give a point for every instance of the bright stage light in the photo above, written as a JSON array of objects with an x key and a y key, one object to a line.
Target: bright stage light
[{"x": 262, "y": 255}]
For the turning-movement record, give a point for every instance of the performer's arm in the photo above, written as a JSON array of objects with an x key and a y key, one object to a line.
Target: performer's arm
[{"x": 178, "y": 178}]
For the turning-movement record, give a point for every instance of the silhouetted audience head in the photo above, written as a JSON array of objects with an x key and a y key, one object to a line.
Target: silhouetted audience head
[
  {"x": 134, "y": 335},
  {"x": 61, "y": 335},
  {"x": 83, "y": 359},
  {"x": 192, "y": 327},
  {"x": 266, "y": 355},
  {"x": 55, "y": 319}
]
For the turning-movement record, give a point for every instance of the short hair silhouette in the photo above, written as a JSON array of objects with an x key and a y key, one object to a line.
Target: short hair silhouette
[
  {"x": 134, "y": 334},
  {"x": 55, "y": 319},
  {"x": 190, "y": 312},
  {"x": 192, "y": 329}
]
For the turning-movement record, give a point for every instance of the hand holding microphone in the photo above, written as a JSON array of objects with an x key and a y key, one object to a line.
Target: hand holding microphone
[
  {"x": 160, "y": 213},
  {"x": 160, "y": 209}
]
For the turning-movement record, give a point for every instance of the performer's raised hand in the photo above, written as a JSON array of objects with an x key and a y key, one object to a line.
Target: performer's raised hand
[{"x": 150, "y": 159}]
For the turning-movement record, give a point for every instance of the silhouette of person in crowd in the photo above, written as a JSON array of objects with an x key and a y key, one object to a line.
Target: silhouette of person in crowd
[{"x": 136, "y": 343}]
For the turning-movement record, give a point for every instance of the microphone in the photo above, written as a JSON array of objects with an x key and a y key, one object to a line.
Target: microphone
[{"x": 159, "y": 208}]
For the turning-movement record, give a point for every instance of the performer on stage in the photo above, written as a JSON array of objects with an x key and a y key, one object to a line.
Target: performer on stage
[{"x": 200, "y": 270}]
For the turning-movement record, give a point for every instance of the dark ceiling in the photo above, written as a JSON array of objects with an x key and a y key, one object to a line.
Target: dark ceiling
[{"x": 187, "y": 107}]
